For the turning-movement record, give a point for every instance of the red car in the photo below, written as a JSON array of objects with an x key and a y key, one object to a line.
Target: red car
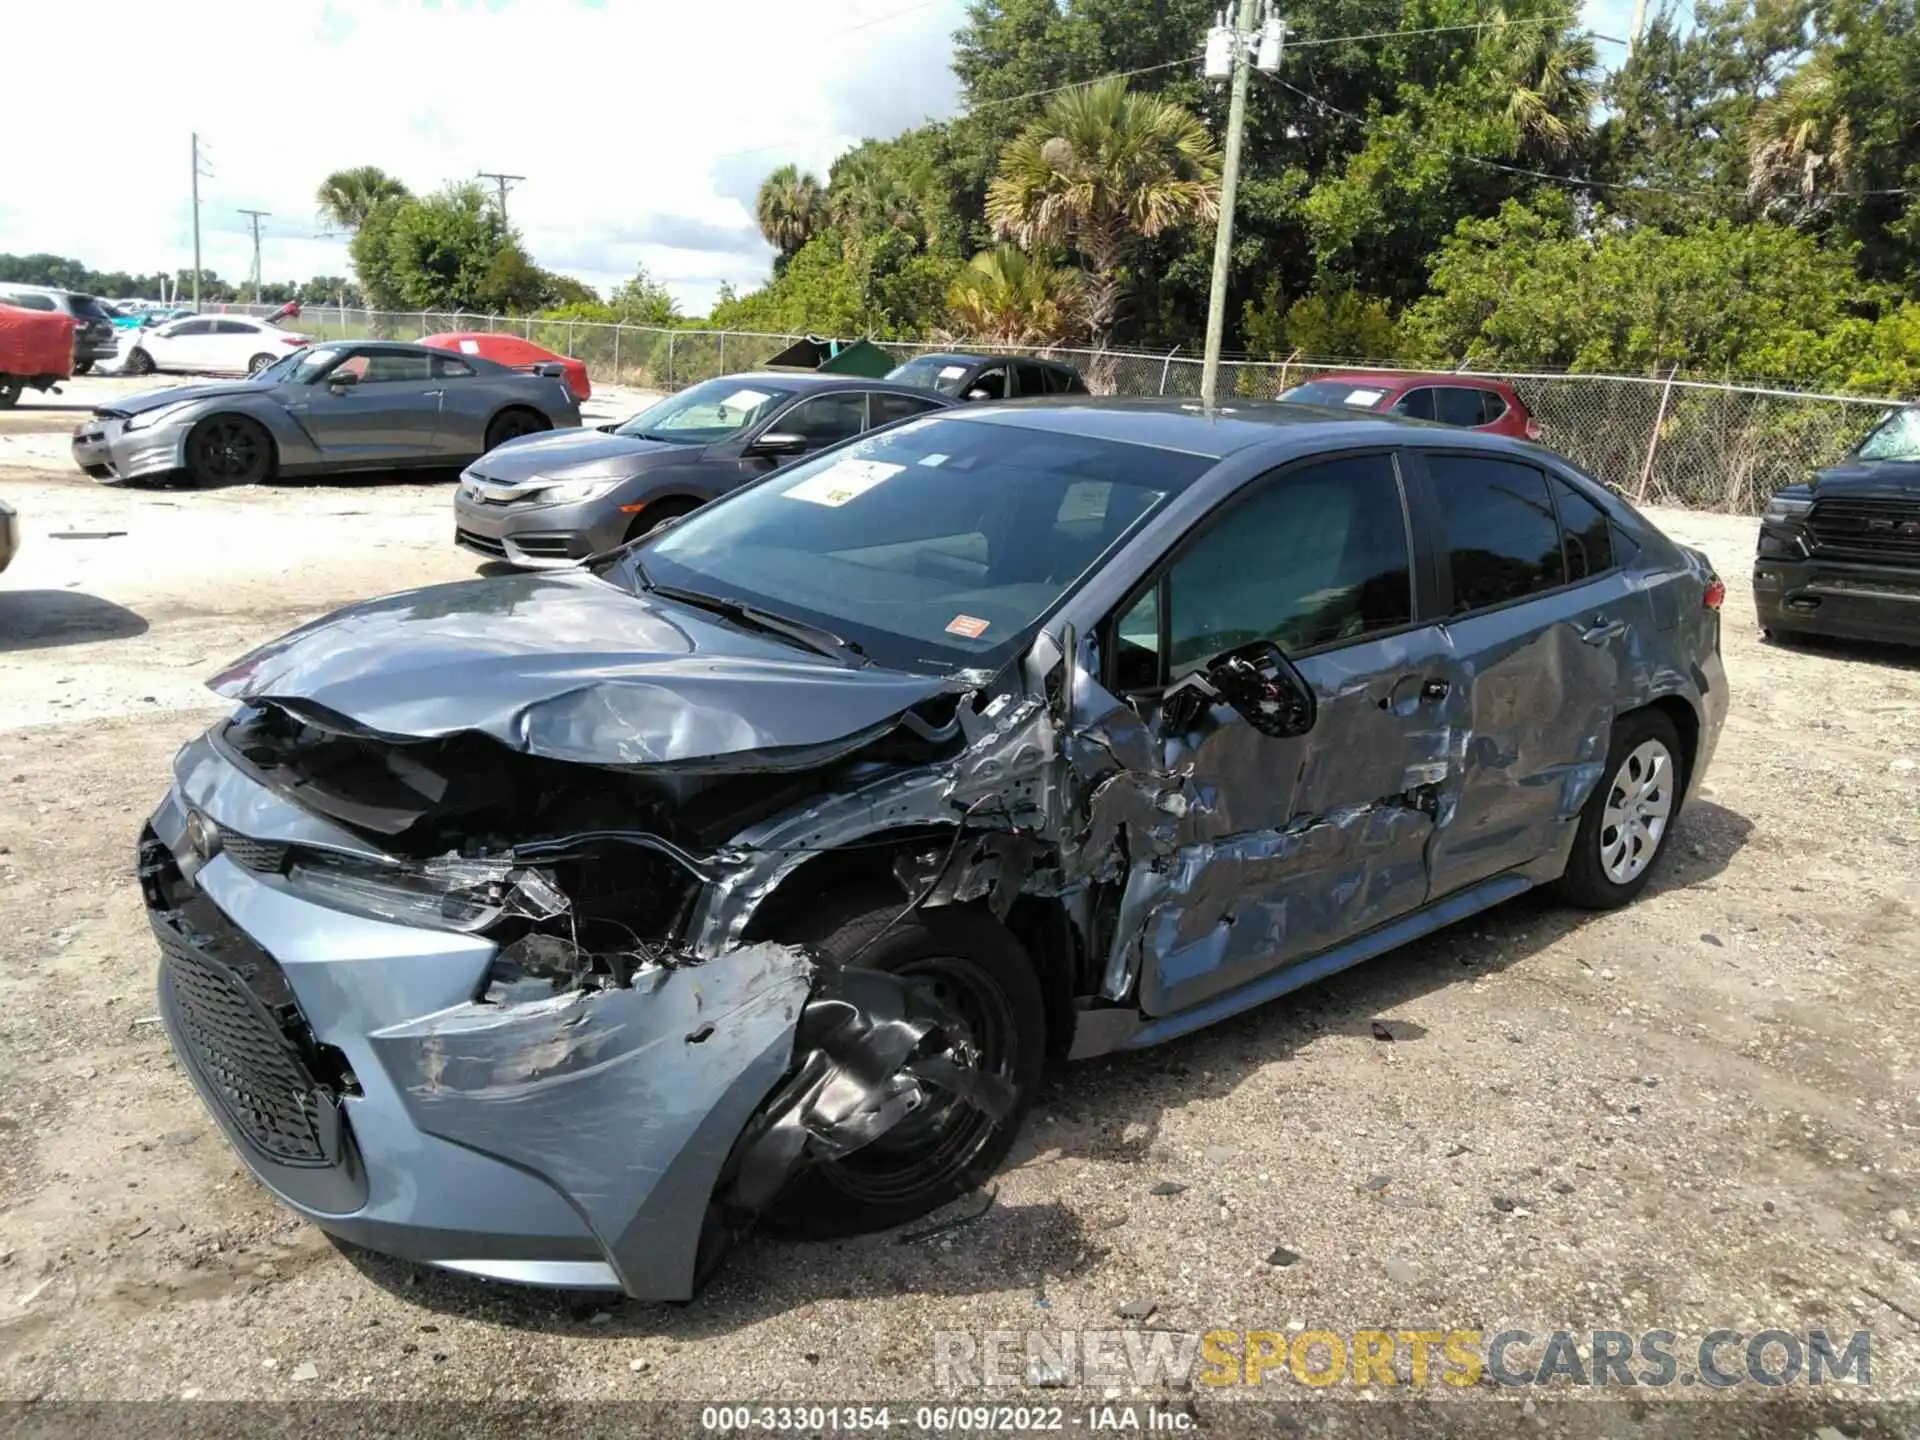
[
  {"x": 512, "y": 350},
  {"x": 1464, "y": 400}
]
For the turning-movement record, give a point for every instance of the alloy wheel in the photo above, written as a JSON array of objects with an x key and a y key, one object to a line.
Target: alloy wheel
[
  {"x": 1639, "y": 805},
  {"x": 229, "y": 450}
]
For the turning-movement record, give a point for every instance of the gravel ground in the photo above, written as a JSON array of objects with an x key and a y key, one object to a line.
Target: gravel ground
[{"x": 1697, "y": 1112}]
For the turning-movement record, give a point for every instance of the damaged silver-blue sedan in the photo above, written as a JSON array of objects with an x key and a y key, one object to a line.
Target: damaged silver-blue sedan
[{"x": 557, "y": 927}]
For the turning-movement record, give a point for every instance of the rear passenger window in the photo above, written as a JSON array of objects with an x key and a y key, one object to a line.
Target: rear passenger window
[
  {"x": 888, "y": 408},
  {"x": 1459, "y": 405},
  {"x": 1416, "y": 404},
  {"x": 450, "y": 367},
  {"x": 1502, "y": 541},
  {"x": 1585, "y": 530},
  {"x": 1317, "y": 558}
]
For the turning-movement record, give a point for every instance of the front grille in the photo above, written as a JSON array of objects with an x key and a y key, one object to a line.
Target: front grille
[
  {"x": 1874, "y": 528},
  {"x": 241, "y": 1052},
  {"x": 555, "y": 546},
  {"x": 481, "y": 542},
  {"x": 263, "y": 857}
]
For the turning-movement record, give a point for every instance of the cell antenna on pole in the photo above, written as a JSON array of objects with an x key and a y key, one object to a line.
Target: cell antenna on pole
[{"x": 502, "y": 183}]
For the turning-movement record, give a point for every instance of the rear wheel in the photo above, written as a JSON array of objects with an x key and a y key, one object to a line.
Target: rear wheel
[
  {"x": 512, "y": 424},
  {"x": 1624, "y": 827},
  {"x": 229, "y": 450},
  {"x": 139, "y": 362},
  {"x": 81, "y": 367},
  {"x": 11, "y": 387},
  {"x": 258, "y": 363},
  {"x": 978, "y": 972}
]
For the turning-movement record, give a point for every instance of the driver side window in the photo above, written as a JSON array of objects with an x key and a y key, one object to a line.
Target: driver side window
[
  {"x": 993, "y": 381},
  {"x": 1317, "y": 557},
  {"x": 825, "y": 419}
]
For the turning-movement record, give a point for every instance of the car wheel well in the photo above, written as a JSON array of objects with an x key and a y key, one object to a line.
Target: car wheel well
[
  {"x": 1038, "y": 922},
  {"x": 1686, "y": 721},
  {"x": 657, "y": 512}
]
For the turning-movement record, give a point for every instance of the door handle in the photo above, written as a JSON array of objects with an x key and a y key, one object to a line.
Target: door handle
[{"x": 1603, "y": 630}]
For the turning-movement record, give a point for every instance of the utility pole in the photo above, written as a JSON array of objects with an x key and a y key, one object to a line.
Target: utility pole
[
  {"x": 256, "y": 216},
  {"x": 196, "y": 220},
  {"x": 1228, "y": 53},
  {"x": 1639, "y": 25},
  {"x": 501, "y": 183}
]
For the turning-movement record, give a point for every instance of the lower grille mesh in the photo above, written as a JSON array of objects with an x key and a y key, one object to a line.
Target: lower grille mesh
[{"x": 232, "y": 1039}]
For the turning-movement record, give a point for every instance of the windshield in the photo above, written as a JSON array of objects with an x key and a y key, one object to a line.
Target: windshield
[
  {"x": 931, "y": 372},
  {"x": 705, "y": 413},
  {"x": 935, "y": 546},
  {"x": 1895, "y": 438},
  {"x": 1338, "y": 392},
  {"x": 302, "y": 367}
]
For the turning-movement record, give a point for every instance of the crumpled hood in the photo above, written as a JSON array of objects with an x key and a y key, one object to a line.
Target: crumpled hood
[
  {"x": 565, "y": 665},
  {"x": 154, "y": 399},
  {"x": 1896, "y": 479},
  {"x": 575, "y": 454}
]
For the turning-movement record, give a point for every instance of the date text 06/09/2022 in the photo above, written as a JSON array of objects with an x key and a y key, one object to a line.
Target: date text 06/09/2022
[{"x": 944, "y": 1419}]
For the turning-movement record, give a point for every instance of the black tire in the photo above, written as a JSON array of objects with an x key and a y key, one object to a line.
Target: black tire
[
  {"x": 512, "y": 424},
  {"x": 977, "y": 966},
  {"x": 139, "y": 362},
  {"x": 259, "y": 363},
  {"x": 229, "y": 450},
  {"x": 82, "y": 367},
  {"x": 11, "y": 387},
  {"x": 658, "y": 514},
  {"x": 1587, "y": 881}
]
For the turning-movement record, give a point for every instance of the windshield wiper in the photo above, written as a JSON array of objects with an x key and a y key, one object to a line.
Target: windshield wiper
[{"x": 811, "y": 637}]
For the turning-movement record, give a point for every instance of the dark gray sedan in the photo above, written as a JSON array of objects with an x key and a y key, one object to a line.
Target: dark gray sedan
[
  {"x": 553, "y": 927},
  {"x": 365, "y": 405},
  {"x": 553, "y": 499}
]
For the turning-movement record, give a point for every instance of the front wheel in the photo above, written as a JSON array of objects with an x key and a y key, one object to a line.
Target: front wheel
[
  {"x": 11, "y": 387},
  {"x": 139, "y": 362},
  {"x": 82, "y": 367},
  {"x": 258, "y": 363},
  {"x": 1624, "y": 827},
  {"x": 229, "y": 450},
  {"x": 974, "y": 969}
]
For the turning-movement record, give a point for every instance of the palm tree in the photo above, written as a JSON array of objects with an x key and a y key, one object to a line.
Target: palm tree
[
  {"x": 347, "y": 197},
  {"x": 1798, "y": 146},
  {"x": 1006, "y": 296},
  {"x": 1100, "y": 169},
  {"x": 1548, "y": 77},
  {"x": 791, "y": 207}
]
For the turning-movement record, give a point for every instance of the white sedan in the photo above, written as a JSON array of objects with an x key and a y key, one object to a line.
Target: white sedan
[{"x": 209, "y": 344}]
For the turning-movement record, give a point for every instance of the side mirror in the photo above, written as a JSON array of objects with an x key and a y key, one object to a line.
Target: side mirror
[
  {"x": 778, "y": 442},
  {"x": 1257, "y": 681},
  {"x": 338, "y": 381}
]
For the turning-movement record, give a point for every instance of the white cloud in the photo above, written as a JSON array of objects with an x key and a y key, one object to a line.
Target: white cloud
[{"x": 639, "y": 124}]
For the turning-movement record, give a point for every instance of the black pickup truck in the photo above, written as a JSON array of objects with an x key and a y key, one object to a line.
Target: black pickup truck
[{"x": 1840, "y": 554}]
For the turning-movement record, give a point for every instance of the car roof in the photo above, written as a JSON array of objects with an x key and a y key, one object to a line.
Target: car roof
[
  {"x": 965, "y": 357},
  {"x": 1407, "y": 377},
  {"x": 1182, "y": 425},
  {"x": 804, "y": 380}
]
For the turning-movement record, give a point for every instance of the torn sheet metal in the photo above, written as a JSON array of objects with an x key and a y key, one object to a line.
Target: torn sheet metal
[
  {"x": 626, "y": 1101},
  {"x": 872, "y": 1050},
  {"x": 566, "y": 666}
]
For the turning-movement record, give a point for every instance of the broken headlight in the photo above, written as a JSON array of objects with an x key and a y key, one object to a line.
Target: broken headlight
[{"x": 449, "y": 898}]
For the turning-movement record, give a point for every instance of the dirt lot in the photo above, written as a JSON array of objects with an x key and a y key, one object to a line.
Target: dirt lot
[{"x": 1702, "y": 1111}]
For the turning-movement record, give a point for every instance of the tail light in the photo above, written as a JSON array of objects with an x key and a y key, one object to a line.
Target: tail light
[
  {"x": 1533, "y": 428},
  {"x": 293, "y": 340},
  {"x": 1716, "y": 593}
]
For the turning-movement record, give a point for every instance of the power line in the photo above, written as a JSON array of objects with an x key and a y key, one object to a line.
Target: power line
[{"x": 1628, "y": 186}]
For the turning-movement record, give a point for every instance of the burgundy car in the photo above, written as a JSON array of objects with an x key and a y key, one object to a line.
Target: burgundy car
[{"x": 1463, "y": 400}]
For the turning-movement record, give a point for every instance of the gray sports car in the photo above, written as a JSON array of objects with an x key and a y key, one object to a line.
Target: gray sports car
[{"x": 364, "y": 405}]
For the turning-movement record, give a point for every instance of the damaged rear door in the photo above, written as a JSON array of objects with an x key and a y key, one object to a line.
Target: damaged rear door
[{"x": 1291, "y": 845}]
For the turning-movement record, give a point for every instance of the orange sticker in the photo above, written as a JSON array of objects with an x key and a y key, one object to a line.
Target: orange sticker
[{"x": 968, "y": 626}]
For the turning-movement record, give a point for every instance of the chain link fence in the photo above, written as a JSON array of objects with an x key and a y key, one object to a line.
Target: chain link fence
[{"x": 1668, "y": 441}]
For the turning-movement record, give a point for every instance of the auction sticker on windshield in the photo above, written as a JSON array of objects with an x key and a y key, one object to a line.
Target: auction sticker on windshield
[
  {"x": 840, "y": 483},
  {"x": 970, "y": 627},
  {"x": 1364, "y": 398},
  {"x": 744, "y": 400}
]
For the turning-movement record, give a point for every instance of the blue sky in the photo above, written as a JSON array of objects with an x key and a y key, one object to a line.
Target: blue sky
[{"x": 642, "y": 126}]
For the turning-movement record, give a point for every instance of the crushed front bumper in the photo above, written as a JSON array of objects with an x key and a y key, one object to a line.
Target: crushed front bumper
[
  {"x": 105, "y": 449},
  {"x": 1845, "y": 601},
  {"x": 574, "y": 1141}
]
